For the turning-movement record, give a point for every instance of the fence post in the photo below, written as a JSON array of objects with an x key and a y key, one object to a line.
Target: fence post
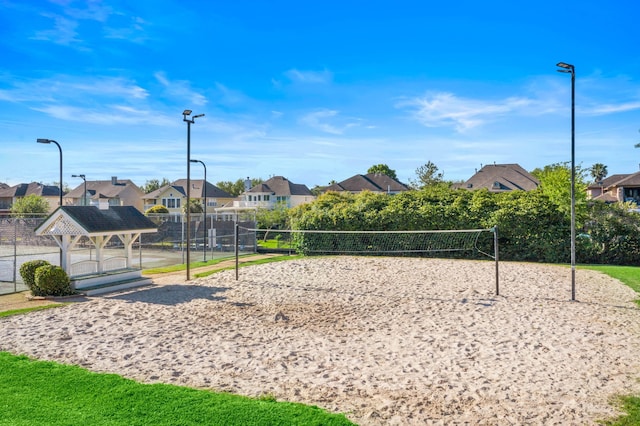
[
  {"x": 15, "y": 255},
  {"x": 237, "y": 239},
  {"x": 495, "y": 254}
]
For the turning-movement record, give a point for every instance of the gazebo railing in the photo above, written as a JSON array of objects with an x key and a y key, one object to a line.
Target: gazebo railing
[
  {"x": 84, "y": 267},
  {"x": 114, "y": 263}
]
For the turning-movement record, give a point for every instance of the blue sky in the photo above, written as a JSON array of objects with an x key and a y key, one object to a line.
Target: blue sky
[{"x": 313, "y": 91}]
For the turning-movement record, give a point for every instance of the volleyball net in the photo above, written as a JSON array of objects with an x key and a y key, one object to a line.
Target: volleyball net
[{"x": 459, "y": 243}]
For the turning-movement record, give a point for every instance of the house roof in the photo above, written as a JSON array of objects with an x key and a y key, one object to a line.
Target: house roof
[
  {"x": 375, "y": 182},
  {"x": 632, "y": 179},
  {"x": 24, "y": 189},
  {"x": 501, "y": 177},
  {"x": 91, "y": 220},
  {"x": 197, "y": 190},
  {"x": 622, "y": 179},
  {"x": 103, "y": 188},
  {"x": 607, "y": 197},
  {"x": 281, "y": 186}
]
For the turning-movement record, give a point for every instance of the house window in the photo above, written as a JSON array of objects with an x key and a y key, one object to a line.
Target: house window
[
  {"x": 171, "y": 203},
  {"x": 266, "y": 197}
]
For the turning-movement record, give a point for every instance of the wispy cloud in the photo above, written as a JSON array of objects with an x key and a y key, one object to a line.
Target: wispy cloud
[
  {"x": 604, "y": 109},
  {"x": 180, "y": 90},
  {"x": 312, "y": 77},
  {"x": 319, "y": 120},
  {"x": 133, "y": 30},
  {"x": 61, "y": 88},
  {"x": 447, "y": 110},
  {"x": 108, "y": 115},
  {"x": 63, "y": 31},
  {"x": 69, "y": 19}
]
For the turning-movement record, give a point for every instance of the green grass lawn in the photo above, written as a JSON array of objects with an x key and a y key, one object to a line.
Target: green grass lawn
[
  {"x": 38, "y": 392},
  {"x": 630, "y": 275},
  {"x": 274, "y": 244}
]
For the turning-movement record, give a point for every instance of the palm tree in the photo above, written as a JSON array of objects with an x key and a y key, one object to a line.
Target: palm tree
[{"x": 598, "y": 172}]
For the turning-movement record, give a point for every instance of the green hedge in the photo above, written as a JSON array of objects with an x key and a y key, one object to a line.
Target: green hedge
[{"x": 531, "y": 225}]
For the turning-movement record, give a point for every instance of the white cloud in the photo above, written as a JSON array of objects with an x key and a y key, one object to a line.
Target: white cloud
[
  {"x": 319, "y": 120},
  {"x": 314, "y": 77},
  {"x": 63, "y": 88},
  {"x": 181, "y": 90},
  {"x": 109, "y": 115},
  {"x": 447, "y": 110},
  {"x": 605, "y": 109},
  {"x": 63, "y": 31}
]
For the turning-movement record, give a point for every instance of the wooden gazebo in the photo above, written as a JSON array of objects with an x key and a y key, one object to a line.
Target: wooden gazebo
[{"x": 68, "y": 224}]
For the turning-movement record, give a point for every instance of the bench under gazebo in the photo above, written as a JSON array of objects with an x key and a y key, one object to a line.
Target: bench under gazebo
[{"x": 68, "y": 224}]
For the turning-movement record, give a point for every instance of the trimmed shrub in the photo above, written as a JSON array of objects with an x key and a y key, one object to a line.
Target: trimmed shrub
[
  {"x": 51, "y": 280},
  {"x": 28, "y": 272}
]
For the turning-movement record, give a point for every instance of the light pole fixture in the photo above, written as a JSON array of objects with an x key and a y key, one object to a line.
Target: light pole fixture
[
  {"x": 41, "y": 140},
  {"x": 206, "y": 231},
  {"x": 185, "y": 117},
  {"x": 84, "y": 197},
  {"x": 570, "y": 69}
]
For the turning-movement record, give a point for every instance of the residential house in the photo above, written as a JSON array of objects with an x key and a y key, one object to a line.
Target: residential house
[
  {"x": 174, "y": 196},
  {"x": 10, "y": 194},
  {"x": 103, "y": 193},
  {"x": 501, "y": 178},
  {"x": 374, "y": 182},
  {"x": 616, "y": 188},
  {"x": 276, "y": 191}
]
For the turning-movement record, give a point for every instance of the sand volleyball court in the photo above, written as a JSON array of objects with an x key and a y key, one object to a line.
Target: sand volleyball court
[{"x": 384, "y": 340}]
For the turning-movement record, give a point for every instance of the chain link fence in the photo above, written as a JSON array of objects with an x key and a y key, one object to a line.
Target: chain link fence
[{"x": 167, "y": 246}]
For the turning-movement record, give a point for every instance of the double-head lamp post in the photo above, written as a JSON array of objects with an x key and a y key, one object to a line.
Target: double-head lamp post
[
  {"x": 206, "y": 231},
  {"x": 84, "y": 196},
  {"x": 185, "y": 117},
  {"x": 570, "y": 69}
]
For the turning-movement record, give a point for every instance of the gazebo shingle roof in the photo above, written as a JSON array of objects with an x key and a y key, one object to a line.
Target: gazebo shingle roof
[{"x": 115, "y": 219}]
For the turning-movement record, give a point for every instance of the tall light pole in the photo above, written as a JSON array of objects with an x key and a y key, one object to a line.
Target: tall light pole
[
  {"x": 185, "y": 114},
  {"x": 84, "y": 197},
  {"x": 206, "y": 233},
  {"x": 568, "y": 68},
  {"x": 49, "y": 141},
  {"x": 40, "y": 140}
]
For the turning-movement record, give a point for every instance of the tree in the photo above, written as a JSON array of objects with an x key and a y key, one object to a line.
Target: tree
[
  {"x": 598, "y": 172},
  {"x": 196, "y": 206},
  {"x": 555, "y": 183},
  {"x": 276, "y": 218},
  {"x": 30, "y": 205},
  {"x": 383, "y": 169},
  {"x": 154, "y": 184},
  {"x": 236, "y": 188},
  {"x": 427, "y": 175}
]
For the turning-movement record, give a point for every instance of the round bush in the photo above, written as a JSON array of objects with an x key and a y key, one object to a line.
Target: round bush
[
  {"x": 157, "y": 209},
  {"x": 51, "y": 280},
  {"x": 28, "y": 271}
]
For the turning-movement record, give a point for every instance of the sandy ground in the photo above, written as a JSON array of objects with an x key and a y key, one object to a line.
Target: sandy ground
[{"x": 384, "y": 340}]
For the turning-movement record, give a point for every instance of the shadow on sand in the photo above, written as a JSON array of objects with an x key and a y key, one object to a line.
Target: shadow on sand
[{"x": 171, "y": 294}]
